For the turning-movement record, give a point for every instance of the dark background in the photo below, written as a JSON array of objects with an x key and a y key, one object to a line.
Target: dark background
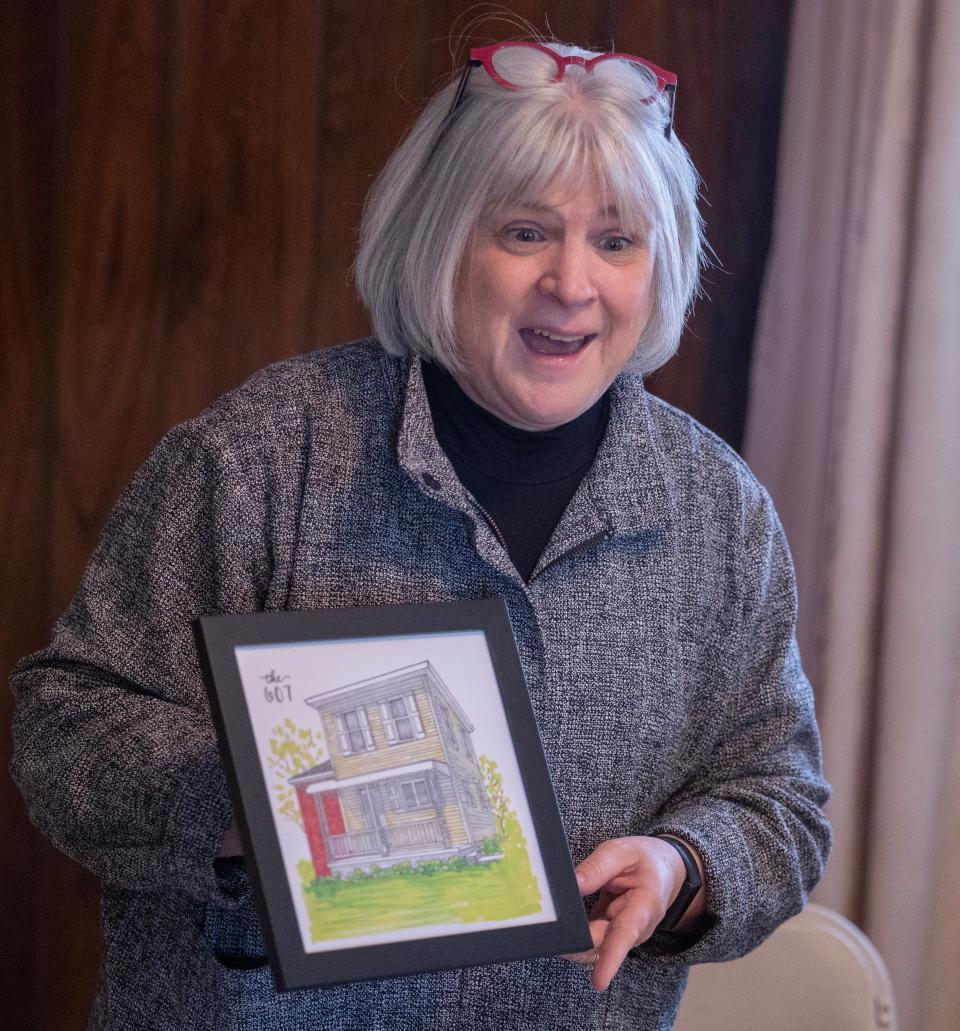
[{"x": 181, "y": 183}]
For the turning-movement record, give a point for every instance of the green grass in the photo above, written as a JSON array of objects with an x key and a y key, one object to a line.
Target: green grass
[{"x": 498, "y": 890}]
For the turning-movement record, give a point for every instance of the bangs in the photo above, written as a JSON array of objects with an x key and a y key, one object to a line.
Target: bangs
[{"x": 562, "y": 149}]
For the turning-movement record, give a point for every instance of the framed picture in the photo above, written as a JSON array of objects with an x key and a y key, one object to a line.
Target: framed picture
[{"x": 393, "y": 799}]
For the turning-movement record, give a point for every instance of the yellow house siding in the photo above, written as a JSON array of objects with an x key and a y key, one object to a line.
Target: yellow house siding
[
  {"x": 352, "y": 809},
  {"x": 388, "y": 757},
  {"x": 426, "y": 713},
  {"x": 384, "y": 756},
  {"x": 415, "y": 816}
]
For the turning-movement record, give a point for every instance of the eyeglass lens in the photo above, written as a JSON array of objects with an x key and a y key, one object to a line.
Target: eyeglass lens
[
  {"x": 527, "y": 66},
  {"x": 524, "y": 66}
]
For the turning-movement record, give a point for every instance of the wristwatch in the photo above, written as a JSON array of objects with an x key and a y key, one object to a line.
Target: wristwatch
[{"x": 688, "y": 890}]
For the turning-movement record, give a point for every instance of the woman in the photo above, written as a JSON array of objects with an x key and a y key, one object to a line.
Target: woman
[{"x": 533, "y": 237}]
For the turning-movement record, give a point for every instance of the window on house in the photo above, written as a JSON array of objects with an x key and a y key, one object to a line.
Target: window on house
[
  {"x": 407, "y": 795},
  {"x": 401, "y": 719},
  {"x": 474, "y": 793},
  {"x": 353, "y": 728},
  {"x": 466, "y": 740}
]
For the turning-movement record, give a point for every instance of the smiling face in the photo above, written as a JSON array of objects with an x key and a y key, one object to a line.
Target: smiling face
[{"x": 551, "y": 300}]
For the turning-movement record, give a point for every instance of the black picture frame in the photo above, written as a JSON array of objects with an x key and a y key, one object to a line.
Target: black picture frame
[{"x": 314, "y": 646}]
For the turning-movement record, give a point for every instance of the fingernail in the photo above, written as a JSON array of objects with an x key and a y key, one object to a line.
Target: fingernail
[{"x": 581, "y": 880}]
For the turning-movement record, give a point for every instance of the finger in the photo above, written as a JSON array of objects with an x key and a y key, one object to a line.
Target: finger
[
  {"x": 634, "y": 926},
  {"x": 597, "y": 931},
  {"x": 618, "y": 904},
  {"x": 599, "y": 909},
  {"x": 587, "y": 959},
  {"x": 617, "y": 943},
  {"x": 642, "y": 906},
  {"x": 605, "y": 863}
]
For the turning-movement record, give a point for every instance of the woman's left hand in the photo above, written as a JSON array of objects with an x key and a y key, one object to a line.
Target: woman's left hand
[{"x": 638, "y": 878}]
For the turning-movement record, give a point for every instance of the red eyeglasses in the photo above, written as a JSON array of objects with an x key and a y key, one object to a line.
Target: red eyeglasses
[{"x": 519, "y": 65}]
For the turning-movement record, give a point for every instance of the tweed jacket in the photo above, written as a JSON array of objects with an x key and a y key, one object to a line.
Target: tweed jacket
[{"x": 655, "y": 634}]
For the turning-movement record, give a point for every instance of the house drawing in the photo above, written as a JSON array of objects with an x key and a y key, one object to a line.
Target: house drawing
[{"x": 402, "y": 782}]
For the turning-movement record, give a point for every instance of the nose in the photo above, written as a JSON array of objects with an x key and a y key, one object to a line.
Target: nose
[{"x": 567, "y": 275}]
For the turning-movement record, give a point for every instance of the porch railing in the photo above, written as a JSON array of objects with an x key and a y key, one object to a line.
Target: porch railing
[
  {"x": 401, "y": 838},
  {"x": 356, "y": 843},
  {"x": 414, "y": 835}
]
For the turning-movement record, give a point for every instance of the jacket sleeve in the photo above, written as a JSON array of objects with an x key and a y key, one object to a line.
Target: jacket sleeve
[
  {"x": 114, "y": 750},
  {"x": 754, "y": 807}
]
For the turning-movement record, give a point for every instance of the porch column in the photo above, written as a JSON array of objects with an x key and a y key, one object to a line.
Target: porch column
[
  {"x": 433, "y": 783},
  {"x": 309, "y": 810},
  {"x": 379, "y": 817}
]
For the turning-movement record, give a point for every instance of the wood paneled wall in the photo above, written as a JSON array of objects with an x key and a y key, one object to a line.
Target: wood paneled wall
[{"x": 181, "y": 182}]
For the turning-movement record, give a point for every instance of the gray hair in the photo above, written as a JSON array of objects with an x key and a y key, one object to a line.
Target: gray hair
[{"x": 504, "y": 147}]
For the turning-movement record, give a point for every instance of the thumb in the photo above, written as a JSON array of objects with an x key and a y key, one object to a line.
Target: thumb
[{"x": 599, "y": 868}]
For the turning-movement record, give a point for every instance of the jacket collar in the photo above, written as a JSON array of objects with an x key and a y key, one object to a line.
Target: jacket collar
[
  {"x": 629, "y": 479},
  {"x": 625, "y": 492}
]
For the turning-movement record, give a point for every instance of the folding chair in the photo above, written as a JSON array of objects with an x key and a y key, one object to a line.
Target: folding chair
[{"x": 816, "y": 972}]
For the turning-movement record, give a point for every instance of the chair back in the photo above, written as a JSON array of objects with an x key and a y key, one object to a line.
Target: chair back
[{"x": 816, "y": 972}]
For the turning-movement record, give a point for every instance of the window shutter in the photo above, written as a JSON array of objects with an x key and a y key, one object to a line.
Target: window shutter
[
  {"x": 415, "y": 715},
  {"x": 344, "y": 737},
  {"x": 365, "y": 727},
  {"x": 395, "y": 803},
  {"x": 388, "y": 727},
  {"x": 423, "y": 795}
]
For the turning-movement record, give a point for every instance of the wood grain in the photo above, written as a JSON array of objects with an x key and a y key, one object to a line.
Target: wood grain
[
  {"x": 109, "y": 338},
  {"x": 49, "y": 904},
  {"x": 239, "y": 242},
  {"x": 731, "y": 62}
]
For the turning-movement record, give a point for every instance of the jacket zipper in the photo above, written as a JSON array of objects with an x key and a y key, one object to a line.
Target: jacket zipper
[
  {"x": 493, "y": 525},
  {"x": 582, "y": 546},
  {"x": 567, "y": 554}
]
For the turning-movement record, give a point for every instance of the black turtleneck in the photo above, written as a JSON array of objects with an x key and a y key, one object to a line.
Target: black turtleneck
[{"x": 521, "y": 478}]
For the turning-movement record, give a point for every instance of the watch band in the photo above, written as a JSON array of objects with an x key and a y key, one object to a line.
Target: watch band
[{"x": 688, "y": 890}]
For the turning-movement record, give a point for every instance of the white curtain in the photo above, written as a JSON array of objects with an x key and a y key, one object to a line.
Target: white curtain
[{"x": 854, "y": 425}]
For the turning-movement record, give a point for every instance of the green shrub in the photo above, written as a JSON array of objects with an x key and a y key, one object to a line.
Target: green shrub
[
  {"x": 325, "y": 887},
  {"x": 406, "y": 869},
  {"x": 491, "y": 847},
  {"x": 430, "y": 867}
]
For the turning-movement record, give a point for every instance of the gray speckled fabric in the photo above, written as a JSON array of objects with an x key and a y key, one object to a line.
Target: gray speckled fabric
[{"x": 656, "y": 635}]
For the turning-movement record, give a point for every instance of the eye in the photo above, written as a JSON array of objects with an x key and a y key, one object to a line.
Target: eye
[
  {"x": 615, "y": 244},
  {"x": 524, "y": 234}
]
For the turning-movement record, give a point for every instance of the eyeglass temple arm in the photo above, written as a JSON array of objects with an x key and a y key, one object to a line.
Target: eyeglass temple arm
[
  {"x": 671, "y": 90},
  {"x": 461, "y": 88}
]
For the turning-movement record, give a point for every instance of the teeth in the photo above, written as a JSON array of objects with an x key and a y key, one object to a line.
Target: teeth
[{"x": 555, "y": 336}]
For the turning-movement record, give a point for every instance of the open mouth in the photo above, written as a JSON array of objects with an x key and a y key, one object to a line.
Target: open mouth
[{"x": 554, "y": 344}]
